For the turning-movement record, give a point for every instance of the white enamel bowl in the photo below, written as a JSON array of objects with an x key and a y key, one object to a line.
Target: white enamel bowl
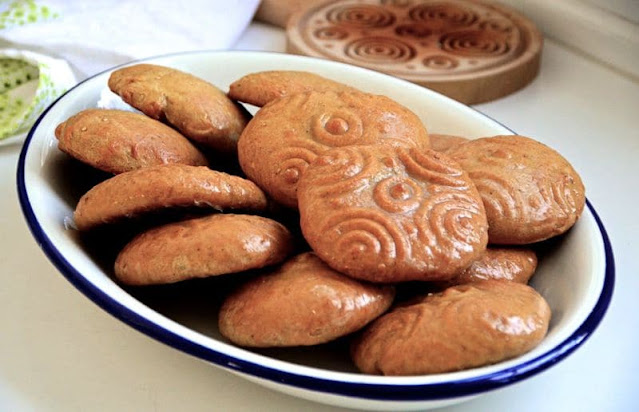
[{"x": 576, "y": 274}]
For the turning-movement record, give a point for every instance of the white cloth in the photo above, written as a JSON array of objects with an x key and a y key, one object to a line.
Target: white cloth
[{"x": 96, "y": 35}]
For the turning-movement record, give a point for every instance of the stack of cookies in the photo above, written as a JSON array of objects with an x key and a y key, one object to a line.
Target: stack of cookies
[{"x": 377, "y": 204}]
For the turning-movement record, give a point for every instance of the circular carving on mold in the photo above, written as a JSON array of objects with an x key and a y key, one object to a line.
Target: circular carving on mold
[
  {"x": 379, "y": 49},
  {"x": 503, "y": 26},
  {"x": 440, "y": 62},
  {"x": 506, "y": 60},
  {"x": 451, "y": 14},
  {"x": 360, "y": 16},
  {"x": 330, "y": 33},
  {"x": 474, "y": 43},
  {"x": 413, "y": 30}
]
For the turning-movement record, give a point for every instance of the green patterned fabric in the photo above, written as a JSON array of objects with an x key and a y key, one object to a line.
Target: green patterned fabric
[
  {"x": 26, "y": 89},
  {"x": 21, "y": 12}
]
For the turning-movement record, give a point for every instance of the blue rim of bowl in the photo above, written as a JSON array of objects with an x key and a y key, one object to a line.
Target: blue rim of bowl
[{"x": 370, "y": 391}]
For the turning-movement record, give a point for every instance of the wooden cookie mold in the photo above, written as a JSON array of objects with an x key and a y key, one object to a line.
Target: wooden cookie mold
[{"x": 472, "y": 51}]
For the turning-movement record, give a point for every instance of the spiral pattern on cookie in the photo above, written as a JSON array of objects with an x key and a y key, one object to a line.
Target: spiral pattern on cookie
[
  {"x": 474, "y": 43},
  {"x": 360, "y": 16},
  {"x": 379, "y": 50},
  {"x": 498, "y": 195},
  {"x": 363, "y": 233},
  {"x": 341, "y": 171},
  {"x": 398, "y": 194},
  {"x": 450, "y": 224},
  {"x": 330, "y": 33},
  {"x": 440, "y": 62},
  {"x": 336, "y": 128},
  {"x": 293, "y": 161},
  {"x": 428, "y": 166},
  {"x": 453, "y": 15}
]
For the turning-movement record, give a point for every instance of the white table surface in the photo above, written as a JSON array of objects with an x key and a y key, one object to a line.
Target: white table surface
[{"x": 60, "y": 352}]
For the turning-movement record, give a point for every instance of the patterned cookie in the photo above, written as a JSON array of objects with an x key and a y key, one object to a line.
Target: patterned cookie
[
  {"x": 118, "y": 141},
  {"x": 388, "y": 214},
  {"x": 443, "y": 142},
  {"x": 302, "y": 303},
  {"x": 195, "y": 107},
  {"x": 513, "y": 264},
  {"x": 530, "y": 192},
  {"x": 261, "y": 88},
  {"x": 207, "y": 246},
  {"x": 463, "y": 327},
  {"x": 140, "y": 191},
  {"x": 286, "y": 135}
]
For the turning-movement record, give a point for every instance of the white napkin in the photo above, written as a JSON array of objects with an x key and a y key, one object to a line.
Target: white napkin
[{"x": 96, "y": 35}]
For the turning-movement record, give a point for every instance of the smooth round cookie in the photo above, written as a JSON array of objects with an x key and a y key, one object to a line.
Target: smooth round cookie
[
  {"x": 261, "y": 88},
  {"x": 304, "y": 302},
  {"x": 285, "y": 136},
  {"x": 465, "y": 326},
  {"x": 202, "y": 247},
  {"x": 195, "y": 107},
  {"x": 530, "y": 192},
  {"x": 140, "y": 191},
  {"x": 512, "y": 264},
  {"x": 443, "y": 142},
  {"x": 388, "y": 214},
  {"x": 118, "y": 141}
]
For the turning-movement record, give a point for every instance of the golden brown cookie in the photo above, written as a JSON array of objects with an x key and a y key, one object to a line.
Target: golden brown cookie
[
  {"x": 195, "y": 107},
  {"x": 207, "y": 246},
  {"x": 286, "y": 135},
  {"x": 388, "y": 214},
  {"x": 261, "y": 88},
  {"x": 302, "y": 303},
  {"x": 117, "y": 141},
  {"x": 463, "y": 327},
  {"x": 140, "y": 191},
  {"x": 530, "y": 192},
  {"x": 443, "y": 142},
  {"x": 513, "y": 264}
]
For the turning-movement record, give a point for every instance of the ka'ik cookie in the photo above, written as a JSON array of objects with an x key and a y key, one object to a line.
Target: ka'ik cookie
[
  {"x": 285, "y": 136},
  {"x": 388, "y": 214}
]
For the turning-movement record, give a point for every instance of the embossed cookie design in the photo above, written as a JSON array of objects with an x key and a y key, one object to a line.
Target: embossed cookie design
[
  {"x": 140, "y": 191},
  {"x": 388, "y": 214},
  {"x": 208, "y": 246},
  {"x": 530, "y": 192},
  {"x": 118, "y": 141},
  {"x": 463, "y": 327},
  {"x": 261, "y": 88},
  {"x": 195, "y": 107},
  {"x": 304, "y": 302},
  {"x": 285, "y": 136}
]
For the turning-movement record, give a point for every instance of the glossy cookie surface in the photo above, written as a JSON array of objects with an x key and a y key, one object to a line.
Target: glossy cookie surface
[{"x": 391, "y": 214}]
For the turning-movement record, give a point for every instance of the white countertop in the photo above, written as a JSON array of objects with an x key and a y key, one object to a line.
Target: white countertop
[{"x": 60, "y": 352}]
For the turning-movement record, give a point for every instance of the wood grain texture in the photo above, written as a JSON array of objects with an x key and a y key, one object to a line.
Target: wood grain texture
[{"x": 473, "y": 51}]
